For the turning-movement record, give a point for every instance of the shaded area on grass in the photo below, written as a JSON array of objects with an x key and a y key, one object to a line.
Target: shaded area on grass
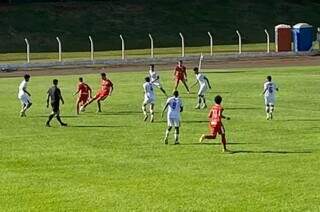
[
  {"x": 98, "y": 126},
  {"x": 269, "y": 152}
]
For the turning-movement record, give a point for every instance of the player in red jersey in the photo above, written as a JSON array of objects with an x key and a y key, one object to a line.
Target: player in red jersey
[
  {"x": 105, "y": 90},
  {"x": 215, "y": 123},
  {"x": 180, "y": 74},
  {"x": 84, "y": 92}
]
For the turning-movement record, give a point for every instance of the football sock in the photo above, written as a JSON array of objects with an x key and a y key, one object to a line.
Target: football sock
[
  {"x": 152, "y": 114},
  {"x": 176, "y": 137},
  {"x": 271, "y": 108},
  {"x": 59, "y": 120},
  {"x": 99, "y": 106},
  {"x": 166, "y": 134},
  {"x": 204, "y": 100},
  {"x": 28, "y": 105},
  {"x": 50, "y": 118},
  {"x": 223, "y": 141},
  {"x": 144, "y": 110},
  {"x": 199, "y": 100},
  {"x": 267, "y": 110}
]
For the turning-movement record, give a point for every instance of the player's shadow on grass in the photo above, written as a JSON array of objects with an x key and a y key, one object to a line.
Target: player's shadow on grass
[
  {"x": 98, "y": 126},
  {"x": 43, "y": 116},
  {"x": 119, "y": 113},
  {"x": 225, "y": 72},
  {"x": 213, "y": 144},
  {"x": 196, "y": 121},
  {"x": 242, "y": 108},
  {"x": 285, "y": 120},
  {"x": 190, "y": 121},
  {"x": 269, "y": 152}
]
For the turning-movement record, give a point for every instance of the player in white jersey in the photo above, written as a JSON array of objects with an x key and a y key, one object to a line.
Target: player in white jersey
[
  {"x": 269, "y": 89},
  {"x": 155, "y": 79},
  {"x": 204, "y": 84},
  {"x": 149, "y": 98},
  {"x": 175, "y": 107},
  {"x": 24, "y": 95}
]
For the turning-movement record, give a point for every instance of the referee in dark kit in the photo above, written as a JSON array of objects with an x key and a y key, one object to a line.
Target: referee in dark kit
[{"x": 54, "y": 94}]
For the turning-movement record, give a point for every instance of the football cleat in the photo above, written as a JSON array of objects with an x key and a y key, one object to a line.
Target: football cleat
[
  {"x": 201, "y": 139},
  {"x": 204, "y": 106},
  {"x": 165, "y": 140},
  {"x": 81, "y": 109},
  {"x": 226, "y": 151}
]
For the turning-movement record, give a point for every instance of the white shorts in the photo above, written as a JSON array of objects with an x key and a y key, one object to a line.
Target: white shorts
[
  {"x": 25, "y": 99},
  {"x": 157, "y": 84},
  {"x": 173, "y": 122},
  {"x": 269, "y": 100},
  {"x": 202, "y": 90},
  {"x": 148, "y": 101}
]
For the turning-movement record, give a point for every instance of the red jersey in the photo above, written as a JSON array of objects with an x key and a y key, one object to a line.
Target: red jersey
[
  {"x": 180, "y": 71},
  {"x": 215, "y": 115},
  {"x": 106, "y": 86},
  {"x": 83, "y": 88}
]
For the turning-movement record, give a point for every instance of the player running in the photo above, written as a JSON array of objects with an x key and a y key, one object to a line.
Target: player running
[
  {"x": 175, "y": 107},
  {"x": 24, "y": 95},
  {"x": 54, "y": 94},
  {"x": 215, "y": 123},
  {"x": 105, "y": 91},
  {"x": 84, "y": 92},
  {"x": 269, "y": 89},
  {"x": 149, "y": 98},
  {"x": 180, "y": 74},
  {"x": 204, "y": 84},
  {"x": 155, "y": 79}
]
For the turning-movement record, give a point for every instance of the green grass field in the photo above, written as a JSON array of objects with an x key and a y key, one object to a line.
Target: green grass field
[{"x": 115, "y": 161}]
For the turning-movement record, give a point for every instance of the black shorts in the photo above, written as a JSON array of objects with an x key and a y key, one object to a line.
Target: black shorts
[{"x": 55, "y": 107}]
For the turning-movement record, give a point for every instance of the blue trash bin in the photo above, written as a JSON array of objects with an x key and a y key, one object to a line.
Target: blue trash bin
[{"x": 302, "y": 37}]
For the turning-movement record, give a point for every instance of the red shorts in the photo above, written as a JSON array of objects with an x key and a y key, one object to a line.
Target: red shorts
[
  {"x": 83, "y": 98},
  {"x": 101, "y": 95},
  {"x": 215, "y": 129},
  {"x": 180, "y": 78}
]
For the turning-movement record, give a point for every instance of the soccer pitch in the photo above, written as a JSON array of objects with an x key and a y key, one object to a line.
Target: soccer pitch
[{"x": 115, "y": 161}]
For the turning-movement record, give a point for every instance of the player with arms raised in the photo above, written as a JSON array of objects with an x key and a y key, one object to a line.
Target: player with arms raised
[
  {"x": 175, "y": 107},
  {"x": 84, "y": 92},
  {"x": 106, "y": 90},
  {"x": 215, "y": 123},
  {"x": 180, "y": 74},
  {"x": 24, "y": 95},
  {"x": 149, "y": 98},
  {"x": 204, "y": 84},
  {"x": 269, "y": 90},
  {"x": 155, "y": 79}
]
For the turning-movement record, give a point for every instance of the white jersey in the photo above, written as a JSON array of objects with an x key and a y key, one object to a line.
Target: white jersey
[
  {"x": 148, "y": 91},
  {"x": 174, "y": 106},
  {"x": 269, "y": 88},
  {"x": 201, "y": 79},
  {"x": 23, "y": 86},
  {"x": 153, "y": 76}
]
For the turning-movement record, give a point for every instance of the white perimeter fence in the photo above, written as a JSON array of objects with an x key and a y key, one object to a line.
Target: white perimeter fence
[{"x": 124, "y": 59}]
